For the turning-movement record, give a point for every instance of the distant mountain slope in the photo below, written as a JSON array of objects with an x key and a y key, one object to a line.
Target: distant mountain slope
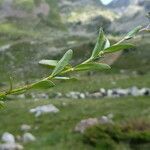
[
  {"x": 133, "y": 14},
  {"x": 31, "y": 9},
  {"x": 85, "y": 16},
  {"x": 32, "y": 30},
  {"x": 119, "y": 3}
]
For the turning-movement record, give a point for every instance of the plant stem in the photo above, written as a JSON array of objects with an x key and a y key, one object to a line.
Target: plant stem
[{"x": 24, "y": 88}]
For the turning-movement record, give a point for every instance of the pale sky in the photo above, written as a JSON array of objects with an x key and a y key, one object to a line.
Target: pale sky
[{"x": 105, "y": 2}]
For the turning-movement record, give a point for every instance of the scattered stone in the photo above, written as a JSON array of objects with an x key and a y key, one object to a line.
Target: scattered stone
[
  {"x": 8, "y": 138},
  {"x": 44, "y": 110},
  {"x": 96, "y": 95},
  {"x": 25, "y": 127},
  {"x": 82, "y": 95},
  {"x": 73, "y": 95},
  {"x": 39, "y": 96},
  {"x": 28, "y": 137},
  {"x": 134, "y": 91},
  {"x": 105, "y": 120},
  {"x": 122, "y": 92},
  {"x": 110, "y": 93},
  {"x": 84, "y": 124},
  {"x": 145, "y": 92},
  {"x": 5, "y": 47},
  {"x": 11, "y": 146},
  {"x": 103, "y": 91}
]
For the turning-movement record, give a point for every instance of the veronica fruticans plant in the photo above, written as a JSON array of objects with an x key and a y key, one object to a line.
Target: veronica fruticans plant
[{"x": 62, "y": 67}]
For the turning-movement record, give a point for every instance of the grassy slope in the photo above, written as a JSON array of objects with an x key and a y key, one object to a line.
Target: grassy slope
[{"x": 56, "y": 131}]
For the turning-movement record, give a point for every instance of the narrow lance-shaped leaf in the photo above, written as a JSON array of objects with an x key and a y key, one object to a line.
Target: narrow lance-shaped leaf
[
  {"x": 92, "y": 66},
  {"x": 102, "y": 43},
  {"x": 1, "y": 104},
  {"x": 118, "y": 47},
  {"x": 62, "y": 63},
  {"x": 49, "y": 63},
  {"x": 45, "y": 84},
  {"x": 64, "y": 78},
  {"x": 107, "y": 44},
  {"x": 132, "y": 33}
]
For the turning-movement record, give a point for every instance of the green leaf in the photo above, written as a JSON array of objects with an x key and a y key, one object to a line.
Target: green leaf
[
  {"x": 118, "y": 47},
  {"x": 101, "y": 44},
  {"x": 49, "y": 63},
  {"x": 63, "y": 62},
  {"x": 52, "y": 63},
  {"x": 92, "y": 66},
  {"x": 132, "y": 33},
  {"x": 107, "y": 44},
  {"x": 46, "y": 84},
  {"x": 64, "y": 78},
  {"x": 1, "y": 104}
]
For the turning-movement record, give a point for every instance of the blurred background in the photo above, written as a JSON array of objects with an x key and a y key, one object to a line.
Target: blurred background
[{"x": 31, "y": 30}]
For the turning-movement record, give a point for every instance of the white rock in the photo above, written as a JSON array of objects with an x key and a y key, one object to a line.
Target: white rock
[
  {"x": 103, "y": 91},
  {"x": 28, "y": 137},
  {"x": 73, "y": 95},
  {"x": 8, "y": 138},
  {"x": 5, "y": 47},
  {"x": 82, "y": 95},
  {"x": 84, "y": 124},
  {"x": 25, "y": 127},
  {"x": 134, "y": 91},
  {"x": 122, "y": 92},
  {"x": 11, "y": 146},
  {"x": 110, "y": 93},
  {"x": 44, "y": 110},
  {"x": 105, "y": 120},
  {"x": 96, "y": 95},
  {"x": 144, "y": 92}
]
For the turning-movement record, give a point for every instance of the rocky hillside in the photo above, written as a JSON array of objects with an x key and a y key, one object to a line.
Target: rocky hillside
[
  {"x": 119, "y": 3},
  {"x": 132, "y": 13},
  {"x": 85, "y": 16},
  {"x": 31, "y": 30}
]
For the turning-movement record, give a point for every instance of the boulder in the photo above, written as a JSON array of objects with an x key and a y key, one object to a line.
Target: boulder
[
  {"x": 28, "y": 137},
  {"x": 11, "y": 146},
  {"x": 44, "y": 110},
  {"x": 25, "y": 127},
  {"x": 84, "y": 124},
  {"x": 8, "y": 138},
  {"x": 106, "y": 119}
]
